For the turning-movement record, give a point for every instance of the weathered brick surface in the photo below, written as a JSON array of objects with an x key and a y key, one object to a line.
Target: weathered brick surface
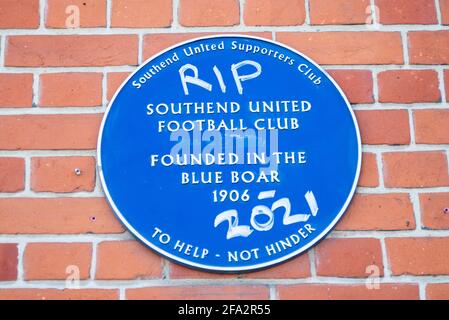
[
  {"x": 62, "y": 174},
  {"x": 56, "y": 261},
  {"x": 392, "y": 211},
  {"x": 437, "y": 291},
  {"x": 274, "y": 12},
  {"x": 435, "y": 210},
  {"x": 49, "y": 132},
  {"x": 71, "y": 90},
  {"x": 122, "y": 260},
  {"x": 409, "y": 86},
  {"x": 57, "y": 216},
  {"x": 71, "y": 51},
  {"x": 369, "y": 173},
  {"x": 444, "y": 7},
  {"x": 12, "y": 174},
  {"x": 446, "y": 84},
  {"x": 348, "y": 257},
  {"x": 356, "y": 84},
  {"x": 8, "y": 261},
  {"x": 428, "y": 47},
  {"x": 430, "y": 126},
  {"x": 16, "y": 90},
  {"x": 203, "y": 13},
  {"x": 58, "y": 294},
  {"x": 347, "y": 47},
  {"x": 407, "y": 11},
  {"x": 415, "y": 169},
  {"x": 339, "y": 12},
  {"x": 61, "y": 13},
  {"x": 141, "y": 13},
  {"x": 244, "y": 292},
  {"x": 19, "y": 14},
  {"x": 56, "y": 80},
  {"x": 419, "y": 255},
  {"x": 348, "y": 292},
  {"x": 384, "y": 126}
]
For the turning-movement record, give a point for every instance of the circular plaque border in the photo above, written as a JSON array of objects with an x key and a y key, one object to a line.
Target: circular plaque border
[{"x": 254, "y": 267}]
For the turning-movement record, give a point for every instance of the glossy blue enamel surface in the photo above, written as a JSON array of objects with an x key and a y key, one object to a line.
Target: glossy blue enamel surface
[{"x": 147, "y": 197}]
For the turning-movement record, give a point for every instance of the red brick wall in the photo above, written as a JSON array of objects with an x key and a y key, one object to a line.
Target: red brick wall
[{"x": 389, "y": 56}]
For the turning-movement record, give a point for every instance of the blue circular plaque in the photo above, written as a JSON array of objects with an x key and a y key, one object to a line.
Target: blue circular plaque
[{"x": 229, "y": 153}]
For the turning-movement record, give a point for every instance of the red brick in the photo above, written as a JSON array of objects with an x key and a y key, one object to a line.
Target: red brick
[
  {"x": 49, "y": 261},
  {"x": 386, "y": 212},
  {"x": 409, "y": 86},
  {"x": 71, "y": 50},
  {"x": 12, "y": 174},
  {"x": 57, "y": 294},
  {"x": 339, "y": 11},
  {"x": 446, "y": 84},
  {"x": 177, "y": 271},
  {"x": 369, "y": 174},
  {"x": 59, "y": 174},
  {"x": 126, "y": 260},
  {"x": 92, "y": 13},
  {"x": 274, "y": 12},
  {"x": 293, "y": 269},
  {"x": 415, "y": 169},
  {"x": 347, "y": 47},
  {"x": 19, "y": 14},
  {"x": 431, "y": 126},
  {"x": 444, "y": 8},
  {"x": 245, "y": 292},
  {"x": 8, "y": 261},
  {"x": 407, "y": 11},
  {"x": 57, "y": 216},
  {"x": 45, "y": 132},
  {"x": 71, "y": 90},
  {"x": 16, "y": 90},
  {"x": 141, "y": 13},
  {"x": 348, "y": 257},
  {"x": 115, "y": 80},
  {"x": 154, "y": 43},
  {"x": 435, "y": 210},
  {"x": 206, "y": 13},
  {"x": 384, "y": 126},
  {"x": 437, "y": 291},
  {"x": 348, "y": 292},
  {"x": 418, "y": 256},
  {"x": 356, "y": 84},
  {"x": 429, "y": 47}
]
